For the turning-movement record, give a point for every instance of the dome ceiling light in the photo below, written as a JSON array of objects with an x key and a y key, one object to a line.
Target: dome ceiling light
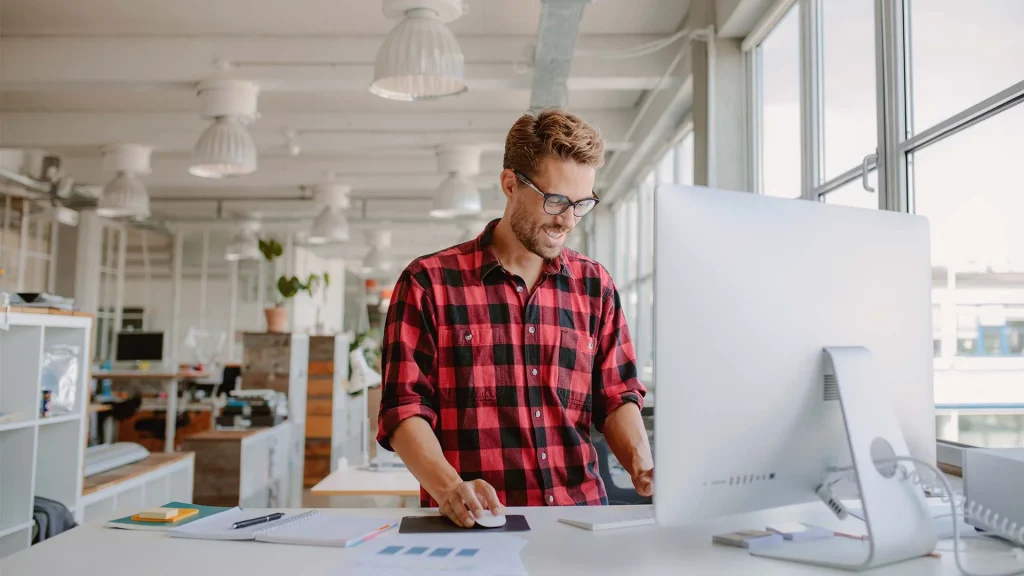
[
  {"x": 330, "y": 226},
  {"x": 225, "y": 148},
  {"x": 457, "y": 195},
  {"x": 245, "y": 245},
  {"x": 377, "y": 259},
  {"x": 125, "y": 196},
  {"x": 420, "y": 58}
]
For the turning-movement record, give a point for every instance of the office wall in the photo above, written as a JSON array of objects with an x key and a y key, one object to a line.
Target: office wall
[{"x": 158, "y": 300}]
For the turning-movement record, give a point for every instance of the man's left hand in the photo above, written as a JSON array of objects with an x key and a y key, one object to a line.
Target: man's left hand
[{"x": 643, "y": 483}]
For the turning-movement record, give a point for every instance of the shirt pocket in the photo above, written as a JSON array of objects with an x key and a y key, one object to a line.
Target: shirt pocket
[
  {"x": 575, "y": 372},
  {"x": 475, "y": 365}
]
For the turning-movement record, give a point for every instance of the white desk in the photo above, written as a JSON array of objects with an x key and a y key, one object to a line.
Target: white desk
[
  {"x": 352, "y": 481},
  {"x": 553, "y": 548},
  {"x": 170, "y": 379}
]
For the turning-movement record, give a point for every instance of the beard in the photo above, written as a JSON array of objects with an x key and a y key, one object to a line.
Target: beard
[{"x": 533, "y": 234}]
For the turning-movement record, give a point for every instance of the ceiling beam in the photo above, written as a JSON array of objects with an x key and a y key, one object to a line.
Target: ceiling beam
[
  {"x": 317, "y": 134},
  {"x": 287, "y": 64}
]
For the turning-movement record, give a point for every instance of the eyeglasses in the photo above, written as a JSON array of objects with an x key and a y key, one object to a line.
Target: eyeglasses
[{"x": 555, "y": 204}]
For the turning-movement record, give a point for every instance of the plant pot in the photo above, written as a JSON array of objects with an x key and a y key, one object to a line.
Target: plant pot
[{"x": 277, "y": 319}]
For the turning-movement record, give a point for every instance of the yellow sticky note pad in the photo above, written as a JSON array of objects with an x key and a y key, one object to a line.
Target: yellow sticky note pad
[{"x": 159, "y": 515}]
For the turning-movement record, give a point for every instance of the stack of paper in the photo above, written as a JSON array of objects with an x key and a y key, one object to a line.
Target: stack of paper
[{"x": 408, "y": 554}]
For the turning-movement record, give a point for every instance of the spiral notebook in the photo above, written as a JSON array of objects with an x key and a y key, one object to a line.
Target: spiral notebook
[{"x": 311, "y": 528}]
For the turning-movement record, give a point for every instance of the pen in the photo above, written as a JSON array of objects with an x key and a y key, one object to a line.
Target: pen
[
  {"x": 254, "y": 521},
  {"x": 373, "y": 534}
]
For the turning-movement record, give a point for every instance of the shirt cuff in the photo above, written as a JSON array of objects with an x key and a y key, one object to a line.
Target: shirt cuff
[
  {"x": 613, "y": 402},
  {"x": 391, "y": 417}
]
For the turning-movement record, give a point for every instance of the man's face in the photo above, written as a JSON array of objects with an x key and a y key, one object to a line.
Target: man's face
[{"x": 542, "y": 233}]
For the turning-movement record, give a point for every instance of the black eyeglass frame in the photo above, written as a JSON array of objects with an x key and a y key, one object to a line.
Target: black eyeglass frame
[{"x": 560, "y": 198}]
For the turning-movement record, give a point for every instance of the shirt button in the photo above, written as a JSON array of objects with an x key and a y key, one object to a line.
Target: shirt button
[
  {"x": 537, "y": 414},
  {"x": 534, "y": 371},
  {"x": 532, "y": 329},
  {"x": 590, "y": 345},
  {"x": 469, "y": 336},
  {"x": 519, "y": 288},
  {"x": 543, "y": 455},
  {"x": 551, "y": 498}
]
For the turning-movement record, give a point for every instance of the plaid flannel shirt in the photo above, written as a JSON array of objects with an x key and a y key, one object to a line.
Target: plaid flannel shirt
[{"x": 509, "y": 381}]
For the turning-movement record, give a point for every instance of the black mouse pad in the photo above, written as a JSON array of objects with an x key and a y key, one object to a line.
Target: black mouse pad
[{"x": 435, "y": 524}]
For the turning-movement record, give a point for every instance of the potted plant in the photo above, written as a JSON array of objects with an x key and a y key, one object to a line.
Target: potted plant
[
  {"x": 314, "y": 284},
  {"x": 277, "y": 316}
]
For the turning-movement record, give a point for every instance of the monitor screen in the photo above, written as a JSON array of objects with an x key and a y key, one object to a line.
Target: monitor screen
[{"x": 135, "y": 346}]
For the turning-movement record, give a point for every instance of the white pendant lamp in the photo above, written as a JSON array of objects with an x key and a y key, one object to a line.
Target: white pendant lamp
[
  {"x": 125, "y": 196},
  {"x": 457, "y": 195},
  {"x": 330, "y": 226},
  {"x": 377, "y": 259},
  {"x": 225, "y": 148},
  {"x": 420, "y": 58},
  {"x": 245, "y": 245}
]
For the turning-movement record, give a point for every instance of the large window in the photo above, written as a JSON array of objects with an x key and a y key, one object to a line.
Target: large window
[
  {"x": 26, "y": 246},
  {"x": 634, "y": 246},
  {"x": 778, "y": 108},
  {"x": 950, "y": 142}
]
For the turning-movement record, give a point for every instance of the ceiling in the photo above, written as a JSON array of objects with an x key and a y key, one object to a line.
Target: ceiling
[{"x": 78, "y": 74}]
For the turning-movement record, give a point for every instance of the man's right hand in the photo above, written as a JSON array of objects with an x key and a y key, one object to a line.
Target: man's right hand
[{"x": 464, "y": 501}]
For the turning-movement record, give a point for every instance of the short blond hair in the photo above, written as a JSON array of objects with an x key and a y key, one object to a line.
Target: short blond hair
[{"x": 552, "y": 133}]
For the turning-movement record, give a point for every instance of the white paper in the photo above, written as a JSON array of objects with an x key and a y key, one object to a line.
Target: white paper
[
  {"x": 408, "y": 554},
  {"x": 218, "y": 526}
]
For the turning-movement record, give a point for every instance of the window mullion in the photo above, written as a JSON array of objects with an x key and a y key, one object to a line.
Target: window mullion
[{"x": 811, "y": 124}]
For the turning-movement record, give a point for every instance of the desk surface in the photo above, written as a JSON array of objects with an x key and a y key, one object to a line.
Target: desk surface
[
  {"x": 116, "y": 476},
  {"x": 355, "y": 482},
  {"x": 147, "y": 374},
  {"x": 553, "y": 548}
]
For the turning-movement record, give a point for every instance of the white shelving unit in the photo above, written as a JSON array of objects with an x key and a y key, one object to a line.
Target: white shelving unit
[{"x": 39, "y": 456}]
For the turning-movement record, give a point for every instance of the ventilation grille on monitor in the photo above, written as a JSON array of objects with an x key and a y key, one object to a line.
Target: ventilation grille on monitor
[
  {"x": 741, "y": 480},
  {"x": 831, "y": 387}
]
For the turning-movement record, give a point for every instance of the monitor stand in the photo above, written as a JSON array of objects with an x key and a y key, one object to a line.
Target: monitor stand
[{"x": 899, "y": 524}]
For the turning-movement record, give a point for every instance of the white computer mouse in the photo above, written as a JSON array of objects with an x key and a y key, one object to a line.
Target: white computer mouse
[{"x": 488, "y": 520}]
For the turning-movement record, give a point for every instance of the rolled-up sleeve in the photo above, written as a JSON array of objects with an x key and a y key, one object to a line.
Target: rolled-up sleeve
[
  {"x": 408, "y": 354},
  {"x": 615, "y": 380}
]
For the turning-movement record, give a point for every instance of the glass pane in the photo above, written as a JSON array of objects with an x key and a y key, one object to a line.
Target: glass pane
[
  {"x": 666, "y": 168},
  {"x": 647, "y": 228},
  {"x": 646, "y": 355},
  {"x": 967, "y": 185},
  {"x": 848, "y": 86},
  {"x": 632, "y": 239},
  {"x": 960, "y": 54},
  {"x": 779, "y": 71},
  {"x": 619, "y": 248},
  {"x": 853, "y": 193},
  {"x": 684, "y": 160}
]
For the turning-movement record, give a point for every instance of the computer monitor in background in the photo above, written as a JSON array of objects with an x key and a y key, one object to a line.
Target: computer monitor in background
[
  {"x": 749, "y": 290},
  {"x": 140, "y": 346}
]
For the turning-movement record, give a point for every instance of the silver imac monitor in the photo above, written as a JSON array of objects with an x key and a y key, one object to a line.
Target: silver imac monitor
[{"x": 749, "y": 291}]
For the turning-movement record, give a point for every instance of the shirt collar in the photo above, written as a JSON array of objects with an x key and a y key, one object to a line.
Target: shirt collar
[{"x": 489, "y": 258}]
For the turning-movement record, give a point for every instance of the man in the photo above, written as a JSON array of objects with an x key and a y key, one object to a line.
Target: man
[{"x": 501, "y": 352}]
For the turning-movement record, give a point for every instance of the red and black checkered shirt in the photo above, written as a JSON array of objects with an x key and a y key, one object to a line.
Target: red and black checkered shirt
[{"x": 510, "y": 381}]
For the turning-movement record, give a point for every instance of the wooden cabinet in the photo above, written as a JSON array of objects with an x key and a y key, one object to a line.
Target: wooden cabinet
[
  {"x": 249, "y": 468},
  {"x": 329, "y": 434}
]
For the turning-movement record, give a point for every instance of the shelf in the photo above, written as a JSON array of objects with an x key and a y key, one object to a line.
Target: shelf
[
  {"x": 17, "y": 422},
  {"x": 16, "y": 528},
  {"x": 59, "y": 419}
]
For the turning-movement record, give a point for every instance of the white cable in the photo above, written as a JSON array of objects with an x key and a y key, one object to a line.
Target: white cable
[
  {"x": 970, "y": 509},
  {"x": 636, "y": 51}
]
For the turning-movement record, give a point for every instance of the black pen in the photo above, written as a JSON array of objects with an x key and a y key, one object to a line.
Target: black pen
[{"x": 254, "y": 521}]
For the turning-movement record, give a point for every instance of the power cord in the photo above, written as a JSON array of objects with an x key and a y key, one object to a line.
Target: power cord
[{"x": 978, "y": 513}]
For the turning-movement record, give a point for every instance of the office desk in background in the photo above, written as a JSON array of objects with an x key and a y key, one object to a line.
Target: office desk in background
[
  {"x": 553, "y": 548},
  {"x": 352, "y": 481},
  {"x": 170, "y": 378}
]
